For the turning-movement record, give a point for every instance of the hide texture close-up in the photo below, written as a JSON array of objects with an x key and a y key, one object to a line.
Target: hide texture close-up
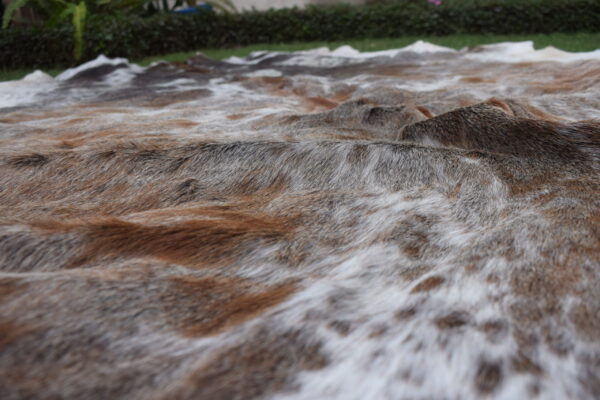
[{"x": 419, "y": 223}]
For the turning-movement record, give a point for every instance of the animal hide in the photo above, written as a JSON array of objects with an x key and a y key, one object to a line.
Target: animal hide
[{"x": 421, "y": 223}]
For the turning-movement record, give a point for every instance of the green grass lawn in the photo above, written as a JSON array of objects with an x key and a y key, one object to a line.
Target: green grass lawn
[{"x": 569, "y": 42}]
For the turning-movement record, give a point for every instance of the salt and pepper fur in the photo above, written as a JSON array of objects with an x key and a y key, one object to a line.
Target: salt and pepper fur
[{"x": 315, "y": 225}]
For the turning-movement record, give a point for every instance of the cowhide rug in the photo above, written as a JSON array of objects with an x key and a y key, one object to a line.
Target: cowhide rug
[{"x": 421, "y": 223}]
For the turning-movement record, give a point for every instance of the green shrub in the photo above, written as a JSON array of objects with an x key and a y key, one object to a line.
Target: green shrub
[{"x": 136, "y": 37}]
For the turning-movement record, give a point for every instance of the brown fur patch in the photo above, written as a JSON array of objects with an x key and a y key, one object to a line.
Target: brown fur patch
[
  {"x": 341, "y": 327},
  {"x": 182, "y": 123},
  {"x": 500, "y": 104},
  {"x": 321, "y": 102},
  {"x": 75, "y": 121},
  {"x": 29, "y": 160},
  {"x": 428, "y": 284},
  {"x": 586, "y": 318},
  {"x": 488, "y": 377},
  {"x": 10, "y": 286},
  {"x": 425, "y": 111},
  {"x": 266, "y": 362},
  {"x": 491, "y": 127},
  {"x": 11, "y": 331},
  {"x": 378, "y": 331},
  {"x": 220, "y": 238},
  {"x": 403, "y": 72},
  {"x": 405, "y": 313},
  {"x": 235, "y": 117},
  {"x": 277, "y": 81},
  {"x": 223, "y": 303},
  {"x": 523, "y": 364},
  {"x": 455, "y": 319},
  {"x": 495, "y": 330},
  {"x": 548, "y": 280},
  {"x": 476, "y": 79}
]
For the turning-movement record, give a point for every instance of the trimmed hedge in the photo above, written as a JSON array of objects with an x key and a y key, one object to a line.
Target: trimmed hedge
[{"x": 135, "y": 37}]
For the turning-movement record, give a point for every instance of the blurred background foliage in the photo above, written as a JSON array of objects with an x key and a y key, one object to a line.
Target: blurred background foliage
[
  {"x": 53, "y": 12},
  {"x": 126, "y": 28}
]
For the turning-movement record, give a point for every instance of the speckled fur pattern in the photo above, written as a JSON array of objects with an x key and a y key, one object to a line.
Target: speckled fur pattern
[{"x": 315, "y": 225}]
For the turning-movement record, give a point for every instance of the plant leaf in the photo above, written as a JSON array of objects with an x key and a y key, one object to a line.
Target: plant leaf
[
  {"x": 10, "y": 10},
  {"x": 79, "y": 15},
  {"x": 59, "y": 16}
]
